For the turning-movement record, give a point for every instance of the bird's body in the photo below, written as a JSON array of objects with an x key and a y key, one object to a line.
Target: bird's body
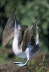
[
  {"x": 16, "y": 47},
  {"x": 29, "y": 50},
  {"x": 25, "y": 41}
]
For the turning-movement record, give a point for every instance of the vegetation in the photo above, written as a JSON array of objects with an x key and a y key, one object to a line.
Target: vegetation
[{"x": 27, "y": 12}]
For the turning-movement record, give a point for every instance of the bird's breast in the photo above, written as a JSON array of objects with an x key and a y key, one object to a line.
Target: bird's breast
[{"x": 15, "y": 47}]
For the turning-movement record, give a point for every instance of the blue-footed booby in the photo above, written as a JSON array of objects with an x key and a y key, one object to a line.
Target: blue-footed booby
[{"x": 29, "y": 47}]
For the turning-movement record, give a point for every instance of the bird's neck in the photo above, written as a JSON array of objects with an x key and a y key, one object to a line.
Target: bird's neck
[
  {"x": 16, "y": 47},
  {"x": 37, "y": 38}
]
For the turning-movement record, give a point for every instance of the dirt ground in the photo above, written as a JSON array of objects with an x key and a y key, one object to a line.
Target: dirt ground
[
  {"x": 10, "y": 67},
  {"x": 13, "y": 68},
  {"x": 37, "y": 67}
]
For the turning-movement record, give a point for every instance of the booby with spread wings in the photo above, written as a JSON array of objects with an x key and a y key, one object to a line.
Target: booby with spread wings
[
  {"x": 24, "y": 45},
  {"x": 28, "y": 47}
]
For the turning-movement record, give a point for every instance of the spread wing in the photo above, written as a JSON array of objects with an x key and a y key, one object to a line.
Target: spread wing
[
  {"x": 24, "y": 27},
  {"x": 8, "y": 32},
  {"x": 27, "y": 37},
  {"x": 31, "y": 35}
]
